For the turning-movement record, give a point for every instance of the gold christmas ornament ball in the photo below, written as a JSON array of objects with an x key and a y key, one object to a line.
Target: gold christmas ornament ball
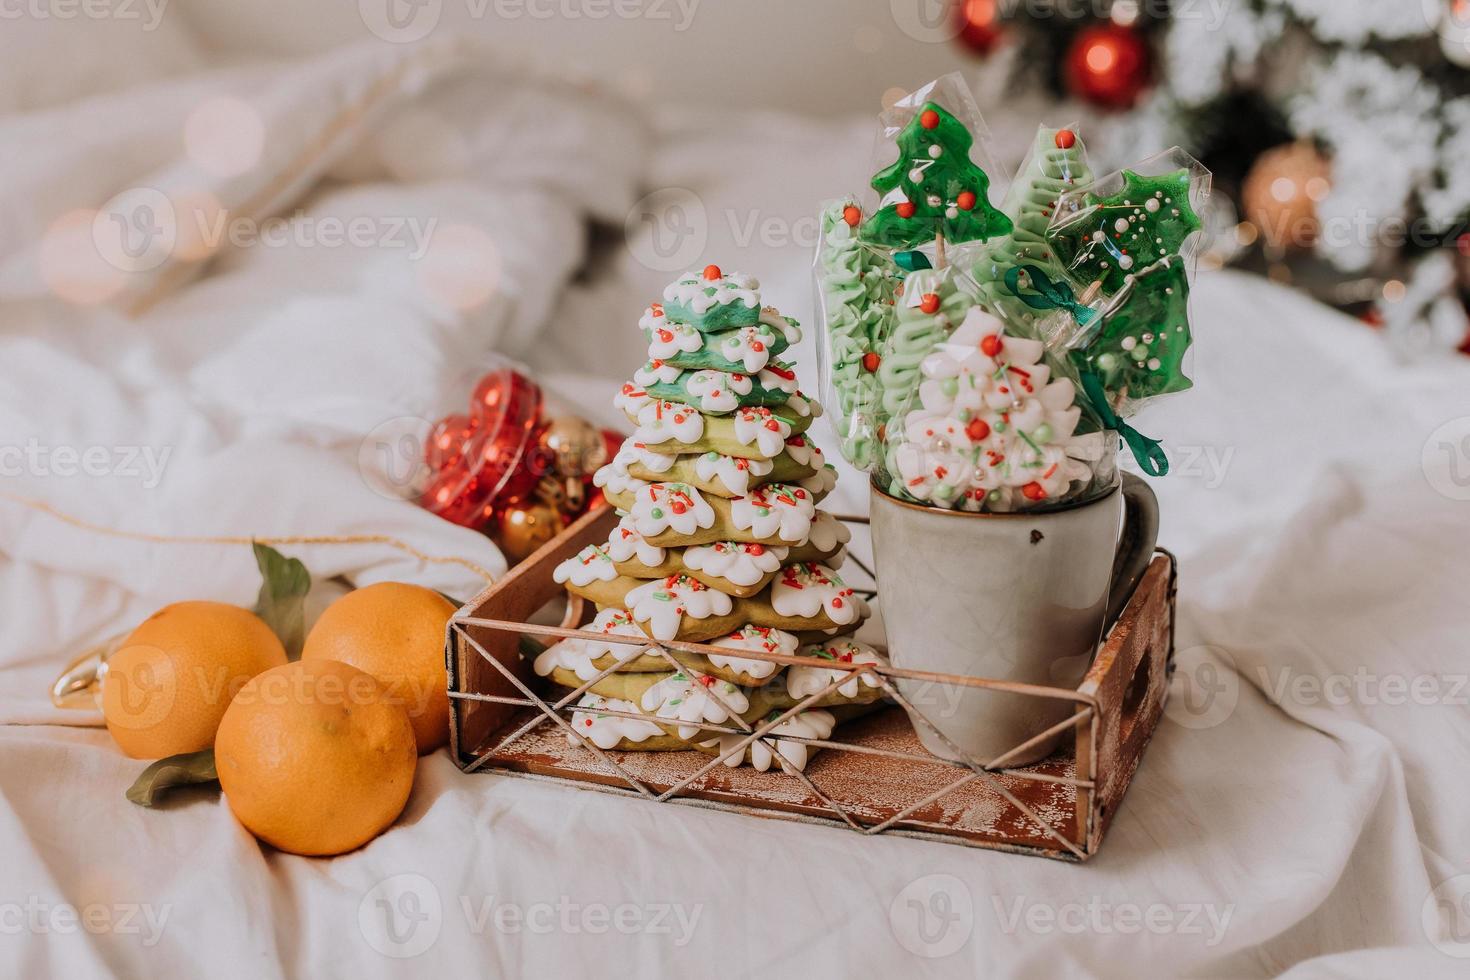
[
  {"x": 1281, "y": 194},
  {"x": 521, "y": 530},
  {"x": 576, "y": 446}
]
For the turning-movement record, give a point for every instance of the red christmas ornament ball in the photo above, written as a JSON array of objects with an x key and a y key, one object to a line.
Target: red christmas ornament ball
[
  {"x": 447, "y": 441},
  {"x": 1108, "y": 65},
  {"x": 980, "y": 25}
]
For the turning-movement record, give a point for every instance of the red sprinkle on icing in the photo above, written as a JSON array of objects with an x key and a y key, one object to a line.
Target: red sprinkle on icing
[{"x": 712, "y": 272}]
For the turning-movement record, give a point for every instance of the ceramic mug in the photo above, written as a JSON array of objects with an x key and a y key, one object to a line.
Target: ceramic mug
[{"x": 1014, "y": 597}]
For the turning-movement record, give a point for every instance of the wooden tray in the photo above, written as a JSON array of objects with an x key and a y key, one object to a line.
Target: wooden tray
[{"x": 873, "y": 777}]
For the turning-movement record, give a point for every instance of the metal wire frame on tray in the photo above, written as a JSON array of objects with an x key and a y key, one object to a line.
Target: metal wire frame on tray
[{"x": 1085, "y": 720}]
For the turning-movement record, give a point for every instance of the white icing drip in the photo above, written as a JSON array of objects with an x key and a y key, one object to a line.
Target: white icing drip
[
  {"x": 591, "y": 564},
  {"x": 735, "y": 562},
  {"x": 803, "y": 452},
  {"x": 733, "y": 471},
  {"x": 749, "y": 346},
  {"x": 760, "y": 428},
  {"x": 828, "y": 533},
  {"x": 667, "y": 339},
  {"x": 679, "y": 697},
  {"x": 656, "y": 372},
  {"x": 702, "y": 295},
  {"x": 764, "y": 751},
  {"x": 775, "y": 510},
  {"x": 658, "y": 462},
  {"x": 658, "y": 507},
  {"x": 822, "y": 482},
  {"x": 577, "y": 655},
  {"x": 613, "y": 477},
  {"x": 606, "y": 731},
  {"x": 808, "y": 589},
  {"x": 803, "y": 406},
  {"x": 631, "y": 399},
  {"x": 803, "y": 682},
  {"x": 663, "y": 603},
  {"x": 778, "y": 377},
  {"x": 660, "y": 422},
  {"x": 625, "y": 543},
  {"x": 762, "y": 638},
  {"x": 717, "y": 391},
  {"x": 771, "y": 318}
]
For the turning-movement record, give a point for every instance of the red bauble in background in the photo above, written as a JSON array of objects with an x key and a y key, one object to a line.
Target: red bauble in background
[
  {"x": 1108, "y": 65},
  {"x": 980, "y": 25},
  {"x": 472, "y": 457}
]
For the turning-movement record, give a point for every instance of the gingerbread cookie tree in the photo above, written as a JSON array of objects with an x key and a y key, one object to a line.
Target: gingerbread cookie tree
[
  {"x": 720, "y": 541},
  {"x": 943, "y": 194}
]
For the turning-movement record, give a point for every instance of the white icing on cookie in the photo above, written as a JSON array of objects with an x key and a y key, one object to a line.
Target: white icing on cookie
[
  {"x": 625, "y": 544},
  {"x": 778, "y": 377},
  {"x": 576, "y": 654},
  {"x": 680, "y": 697},
  {"x": 717, "y": 391},
  {"x": 771, "y": 318},
  {"x": 804, "y": 406},
  {"x": 631, "y": 399},
  {"x": 764, "y": 751},
  {"x": 822, "y": 482},
  {"x": 775, "y": 510},
  {"x": 613, "y": 477},
  {"x": 803, "y": 452},
  {"x": 667, "y": 339},
  {"x": 606, "y": 731},
  {"x": 734, "y": 472},
  {"x": 735, "y": 562},
  {"x": 809, "y": 589},
  {"x": 702, "y": 295},
  {"x": 591, "y": 564},
  {"x": 658, "y": 462},
  {"x": 828, "y": 533},
  {"x": 660, "y": 421},
  {"x": 762, "y": 429},
  {"x": 762, "y": 638},
  {"x": 749, "y": 346},
  {"x": 656, "y": 372},
  {"x": 663, "y": 603},
  {"x": 803, "y": 682},
  {"x": 658, "y": 507}
]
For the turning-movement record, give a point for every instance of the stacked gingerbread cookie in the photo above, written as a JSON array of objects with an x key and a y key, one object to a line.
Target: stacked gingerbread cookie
[{"x": 720, "y": 540}]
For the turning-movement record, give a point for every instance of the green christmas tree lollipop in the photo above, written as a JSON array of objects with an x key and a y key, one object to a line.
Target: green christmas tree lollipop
[
  {"x": 1139, "y": 351},
  {"x": 1058, "y": 165},
  {"x": 944, "y": 193},
  {"x": 1114, "y": 237}
]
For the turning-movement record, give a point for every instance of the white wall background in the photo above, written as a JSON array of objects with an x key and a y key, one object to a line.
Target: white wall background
[{"x": 812, "y": 56}]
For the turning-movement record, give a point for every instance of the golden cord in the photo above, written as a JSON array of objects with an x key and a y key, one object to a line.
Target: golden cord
[{"x": 404, "y": 546}]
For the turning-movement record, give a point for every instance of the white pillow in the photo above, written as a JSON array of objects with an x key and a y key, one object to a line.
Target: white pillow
[{"x": 56, "y": 51}]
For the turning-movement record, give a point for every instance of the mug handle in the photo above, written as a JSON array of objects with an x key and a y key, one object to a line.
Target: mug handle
[{"x": 1135, "y": 544}]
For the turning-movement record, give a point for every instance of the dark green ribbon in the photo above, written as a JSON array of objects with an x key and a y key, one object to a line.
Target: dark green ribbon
[
  {"x": 1147, "y": 452},
  {"x": 911, "y": 261},
  {"x": 1050, "y": 294},
  {"x": 1053, "y": 294}
]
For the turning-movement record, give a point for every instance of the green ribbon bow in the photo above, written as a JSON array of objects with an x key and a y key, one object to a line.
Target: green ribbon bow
[
  {"x": 1147, "y": 452},
  {"x": 1057, "y": 295},
  {"x": 1050, "y": 294}
]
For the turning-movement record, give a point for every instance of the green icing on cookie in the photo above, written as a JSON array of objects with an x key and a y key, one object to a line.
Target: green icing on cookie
[
  {"x": 930, "y": 307},
  {"x": 720, "y": 392}
]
